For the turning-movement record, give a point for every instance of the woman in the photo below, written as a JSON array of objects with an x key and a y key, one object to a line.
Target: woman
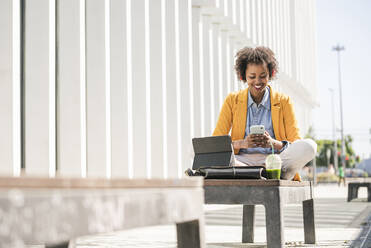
[{"x": 259, "y": 104}]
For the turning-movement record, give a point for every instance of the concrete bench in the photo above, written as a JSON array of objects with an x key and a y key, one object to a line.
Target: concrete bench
[
  {"x": 353, "y": 188},
  {"x": 273, "y": 194},
  {"x": 37, "y": 211}
]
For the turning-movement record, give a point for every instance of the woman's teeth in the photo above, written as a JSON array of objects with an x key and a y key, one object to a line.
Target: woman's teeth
[{"x": 258, "y": 86}]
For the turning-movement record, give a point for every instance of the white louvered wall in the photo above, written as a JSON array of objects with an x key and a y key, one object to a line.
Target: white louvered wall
[{"x": 118, "y": 88}]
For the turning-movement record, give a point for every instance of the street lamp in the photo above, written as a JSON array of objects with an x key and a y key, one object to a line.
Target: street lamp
[
  {"x": 338, "y": 49},
  {"x": 334, "y": 131}
]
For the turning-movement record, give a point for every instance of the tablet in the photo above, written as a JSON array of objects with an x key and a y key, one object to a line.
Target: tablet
[{"x": 213, "y": 151}]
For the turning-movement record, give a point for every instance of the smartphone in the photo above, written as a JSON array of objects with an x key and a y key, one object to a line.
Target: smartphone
[{"x": 257, "y": 129}]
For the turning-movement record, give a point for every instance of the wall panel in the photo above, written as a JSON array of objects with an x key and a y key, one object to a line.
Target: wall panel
[
  {"x": 171, "y": 92},
  {"x": 39, "y": 88},
  {"x": 156, "y": 87},
  {"x": 138, "y": 87},
  {"x": 71, "y": 87},
  {"x": 119, "y": 92},
  {"x": 10, "y": 156},
  {"x": 185, "y": 81}
]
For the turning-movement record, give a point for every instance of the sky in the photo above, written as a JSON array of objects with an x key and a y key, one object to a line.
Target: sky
[{"x": 347, "y": 22}]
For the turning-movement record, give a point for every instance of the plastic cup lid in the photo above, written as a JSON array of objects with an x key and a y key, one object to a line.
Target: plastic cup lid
[{"x": 273, "y": 161}]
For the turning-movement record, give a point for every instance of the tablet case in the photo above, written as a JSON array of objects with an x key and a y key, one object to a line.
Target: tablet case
[{"x": 213, "y": 151}]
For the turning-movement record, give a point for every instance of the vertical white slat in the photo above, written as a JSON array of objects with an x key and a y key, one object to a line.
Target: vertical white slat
[
  {"x": 96, "y": 92},
  {"x": 236, "y": 13},
  {"x": 259, "y": 22},
  {"x": 39, "y": 76},
  {"x": 196, "y": 16},
  {"x": 313, "y": 53},
  {"x": 254, "y": 30},
  {"x": 157, "y": 113},
  {"x": 184, "y": 60},
  {"x": 6, "y": 88},
  {"x": 220, "y": 6},
  {"x": 282, "y": 36},
  {"x": 278, "y": 31},
  {"x": 287, "y": 37},
  {"x": 229, "y": 4},
  {"x": 216, "y": 83},
  {"x": 231, "y": 60},
  {"x": 220, "y": 72},
  {"x": 205, "y": 77},
  {"x": 274, "y": 27},
  {"x": 71, "y": 76},
  {"x": 238, "y": 84},
  {"x": 212, "y": 78},
  {"x": 129, "y": 89},
  {"x": 119, "y": 98},
  {"x": 223, "y": 66},
  {"x": 233, "y": 12},
  {"x": 248, "y": 17},
  {"x": 17, "y": 96},
  {"x": 309, "y": 44},
  {"x": 148, "y": 90},
  {"x": 270, "y": 23},
  {"x": 171, "y": 91},
  {"x": 305, "y": 45},
  {"x": 10, "y": 154},
  {"x": 178, "y": 89},
  {"x": 242, "y": 11},
  {"x": 264, "y": 22},
  {"x": 229, "y": 71},
  {"x": 225, "y": 7},
  {"x": 298, "y": 38},
  {"x": 217, "y": 3},
  {"x": 138, "y": 87},
  {"x": 237, "y": 46}
]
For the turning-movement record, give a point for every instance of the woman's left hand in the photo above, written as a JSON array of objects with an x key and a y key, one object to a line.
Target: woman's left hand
[
  {"x": 265, "y": 140},
  {"x": 261, "y": 140}
]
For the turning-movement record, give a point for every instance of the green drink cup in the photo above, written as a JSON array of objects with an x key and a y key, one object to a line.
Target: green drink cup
[{"x": 273, "y": 165}]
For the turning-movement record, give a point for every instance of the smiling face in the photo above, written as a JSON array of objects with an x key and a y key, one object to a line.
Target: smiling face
[{"x": 257, "y": 77}]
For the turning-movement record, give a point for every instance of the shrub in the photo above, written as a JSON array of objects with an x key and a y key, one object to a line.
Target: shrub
[{"x": 325, "y": 177}]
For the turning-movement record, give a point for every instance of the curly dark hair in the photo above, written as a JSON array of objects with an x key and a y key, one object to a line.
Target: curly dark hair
[{"x": 259, "y": 55}]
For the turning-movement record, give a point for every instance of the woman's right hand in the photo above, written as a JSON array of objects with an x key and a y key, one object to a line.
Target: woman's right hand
[
  {"x": 251, "y": 141},
  {"x": 248, "y": 142}
]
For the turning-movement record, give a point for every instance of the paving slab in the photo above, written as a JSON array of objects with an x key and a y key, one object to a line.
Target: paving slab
[{"x": 338, "y": 223}]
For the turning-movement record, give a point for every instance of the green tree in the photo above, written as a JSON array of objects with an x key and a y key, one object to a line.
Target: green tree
[{"x": 324, "y": 145}]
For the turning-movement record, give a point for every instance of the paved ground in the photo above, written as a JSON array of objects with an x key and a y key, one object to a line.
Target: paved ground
[{"x": 338, "y": 223}]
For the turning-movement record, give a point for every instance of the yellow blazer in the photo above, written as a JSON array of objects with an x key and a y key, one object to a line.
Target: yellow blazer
[{"x": 234, "y": 111}]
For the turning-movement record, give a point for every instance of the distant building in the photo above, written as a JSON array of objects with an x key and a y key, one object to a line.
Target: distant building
[{"x": 365, "y": 165}]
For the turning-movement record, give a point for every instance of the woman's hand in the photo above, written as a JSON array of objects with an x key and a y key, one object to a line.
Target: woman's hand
[
  {"x": 260, "y": 140},
  {"x": 257, "y": 140},
  {"x": 266, "y": 140},
  {"x": 244, "y": 143}
]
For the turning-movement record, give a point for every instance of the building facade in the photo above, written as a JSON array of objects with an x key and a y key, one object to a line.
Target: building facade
[{"x": 118, "y": 88}]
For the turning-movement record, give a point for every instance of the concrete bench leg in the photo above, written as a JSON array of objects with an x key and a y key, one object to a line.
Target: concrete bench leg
[
  {"x": 190, "y": 234},
  {"x": 274, "y": 223},
  {"x": 352, "y": 192},
  {"x": 308, "y": 218},
  {"x": 248, "y": 220},
  {"x": 59, "y": 245}
]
